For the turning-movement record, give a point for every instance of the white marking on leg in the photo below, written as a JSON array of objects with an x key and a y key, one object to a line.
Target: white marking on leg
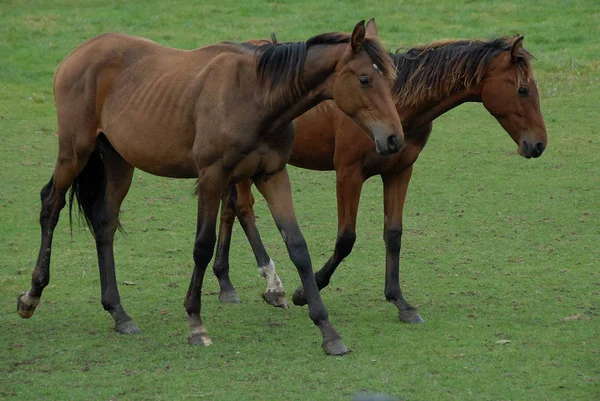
[
  {"x": 200, "y": 330},
  {"x": 29, "y": 300},
  {"x": 273, "y": 281}
]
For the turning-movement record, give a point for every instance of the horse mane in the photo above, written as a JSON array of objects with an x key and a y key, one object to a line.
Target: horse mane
[
  {"x": 440, "y": 68},
  {"x": 280, "y": 65}
]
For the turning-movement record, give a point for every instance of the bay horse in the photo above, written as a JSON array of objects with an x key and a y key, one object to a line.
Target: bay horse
[
  {"x": 432, "y": 79},
  {"x": 220, "y": 114}
]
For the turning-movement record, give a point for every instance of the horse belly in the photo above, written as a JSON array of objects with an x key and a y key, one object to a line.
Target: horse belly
[{"x": 162, "y": 153}]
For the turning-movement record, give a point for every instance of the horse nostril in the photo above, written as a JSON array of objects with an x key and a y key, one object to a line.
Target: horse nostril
[
  {"x": 393, "y": 144},
  {"x": 539, "y": 148}
]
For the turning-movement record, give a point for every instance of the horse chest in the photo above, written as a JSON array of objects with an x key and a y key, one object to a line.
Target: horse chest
[{"x": 375, "y": 164}]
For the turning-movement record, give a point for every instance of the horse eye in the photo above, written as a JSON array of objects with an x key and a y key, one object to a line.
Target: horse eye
[
  {"x": 524, "y": 92},
  {"x": 364, "y": 81}
]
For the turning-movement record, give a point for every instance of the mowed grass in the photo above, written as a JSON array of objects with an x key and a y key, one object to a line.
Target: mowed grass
[{"x": 500, "y": 253}]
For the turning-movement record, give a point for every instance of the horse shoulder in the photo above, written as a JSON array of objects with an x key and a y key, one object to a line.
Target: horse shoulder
[
  {"x": 226, "y": 83},
  {"x": 415, "y": 141}
]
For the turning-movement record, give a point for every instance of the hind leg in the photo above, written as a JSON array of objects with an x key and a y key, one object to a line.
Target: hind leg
[
  {"x": 72, "y": 158},
  {"x": 105, "y": 221},
  {"x": 227, "y": 292},
  {"x": 240, "y": 204},
  {"x": 275, "y": 292}
]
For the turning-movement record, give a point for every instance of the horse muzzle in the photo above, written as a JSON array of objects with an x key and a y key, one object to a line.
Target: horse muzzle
[
  {"x": 387, "y": 139},
  {"x": 387, "y": 146},
  {"x": 530, "y": 149}
]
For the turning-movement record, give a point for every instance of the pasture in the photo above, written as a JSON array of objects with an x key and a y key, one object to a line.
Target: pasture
[{"x": 500, "y": 254}]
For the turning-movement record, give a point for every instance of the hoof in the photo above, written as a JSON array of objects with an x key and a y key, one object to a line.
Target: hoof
[
  {"x": 229, "y": 297},
  {"x": 335, "y": 347},
  {"x": 276, "y": 299},
  {"x": 298, "y": 298},
  {"x": 410, "y": 316},
  {"x": 127, "y": 327},
  {"x": 201, "y": 339},
  {"x": 26, "y": 306}
]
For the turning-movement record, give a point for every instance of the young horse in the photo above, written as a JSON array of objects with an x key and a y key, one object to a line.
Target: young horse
[
  {"x": 221, "y": 113},
  {"x": 432, "y": 79}
]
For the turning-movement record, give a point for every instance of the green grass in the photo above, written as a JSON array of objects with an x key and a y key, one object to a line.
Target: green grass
[{"x": 496, "y": 247}]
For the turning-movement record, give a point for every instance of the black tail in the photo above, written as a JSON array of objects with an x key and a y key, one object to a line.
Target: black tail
[{"x": 89, "y": 188}]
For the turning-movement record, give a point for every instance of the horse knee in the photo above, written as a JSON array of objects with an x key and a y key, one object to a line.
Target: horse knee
[
  {"x": 393, "y": 239},
  {"x": 345, "y": 243},
  {"x": 204, "y": 249}
]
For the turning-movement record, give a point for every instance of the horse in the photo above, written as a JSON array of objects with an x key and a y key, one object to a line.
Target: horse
[
  {"x": 220, "y": 114},
  {"x": 432, "y": 79}
]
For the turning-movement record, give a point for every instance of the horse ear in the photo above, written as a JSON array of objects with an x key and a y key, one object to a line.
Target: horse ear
[
  {"x": 274, "y": 38},
  {"x": 371, "y": 28},
  {"x": 358, "y": 36},
  {"x": 515, "y": 52}
]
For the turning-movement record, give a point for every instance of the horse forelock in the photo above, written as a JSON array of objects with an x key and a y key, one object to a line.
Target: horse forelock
[
  {"x": 372, "y": 46},
  {"x": 381, "y": 58},
  {"x": 442, "y": 67}
]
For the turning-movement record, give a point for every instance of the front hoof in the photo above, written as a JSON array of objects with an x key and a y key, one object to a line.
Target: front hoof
[
  {"x": 276, "y": 299},
  {"x": 335, "y": 347},
  {"x": 199, "y": 339},
  {"x": 229, "y": 297},
  {"x": 410, "y": 316},
  {"x": 298, "y": 298},
  {"x": 127, "y": 327},
  {"x": 26, "y": 305}
]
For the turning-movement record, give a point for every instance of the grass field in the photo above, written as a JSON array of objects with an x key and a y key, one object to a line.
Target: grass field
[{"x": 496, "y": 247}]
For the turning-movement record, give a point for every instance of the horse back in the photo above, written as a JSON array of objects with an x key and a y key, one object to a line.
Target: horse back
[
  {"x": 122, "y": 63},
  {"x": 81, "y": 68}
]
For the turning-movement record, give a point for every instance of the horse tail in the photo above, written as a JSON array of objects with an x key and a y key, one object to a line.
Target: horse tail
[{"x": 89, "y": 188}]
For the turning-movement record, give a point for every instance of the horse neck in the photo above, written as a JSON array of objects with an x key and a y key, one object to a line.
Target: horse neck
[
  {"x": 430, "y": 108},
  {"x": 319, "y": 71}
]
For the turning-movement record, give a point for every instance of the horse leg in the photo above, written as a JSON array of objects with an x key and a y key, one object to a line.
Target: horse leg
[
  {"x": 227, "y": 293},
  {"x": 239, "y": 202},
  {"x": 210, "y": 189},
  {"x": 73, "y": 156},
  {"x": 105, "y": 221},
  {"x": 394, "y": 194},
  {"x": 277, "y": 192},
  {"x": 275, "y": 293},
  {"x": 349, "y": 182}
]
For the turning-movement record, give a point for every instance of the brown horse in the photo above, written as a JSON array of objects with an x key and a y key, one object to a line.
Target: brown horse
[
  {"x": 220, "y": 113},
  {"x": 432, "y": 79}
]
